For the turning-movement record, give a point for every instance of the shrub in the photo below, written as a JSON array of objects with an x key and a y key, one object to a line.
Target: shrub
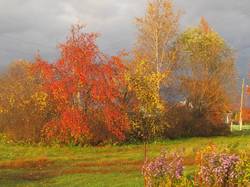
[
  {"x": 183, "y": 122},
  {"x": 24, "y": 107},
  {"x": 215, "y": 169},
  {"x": 221, "y": 169},
  {"x": 163, "y": 170},
  {"x": 86, "y": 86}
]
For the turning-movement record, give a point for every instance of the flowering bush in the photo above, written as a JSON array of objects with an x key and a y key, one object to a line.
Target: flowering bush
[
  {"x": 220, "y": 169},
  {"x": 163, "y": 170},
  {"x": 215, "y": 169}
]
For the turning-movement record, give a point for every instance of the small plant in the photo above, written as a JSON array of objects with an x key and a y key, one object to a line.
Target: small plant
[
  {"x": 4, "y": 139},
  {"x": 163, "y": 170},
  {"x": 220, "y": 169},
  {"x": 214, "y": 169},
  {"x": 244, "y": 168}
]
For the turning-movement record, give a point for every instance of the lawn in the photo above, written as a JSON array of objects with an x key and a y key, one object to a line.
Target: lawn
[{"x": 34, "y": 165}]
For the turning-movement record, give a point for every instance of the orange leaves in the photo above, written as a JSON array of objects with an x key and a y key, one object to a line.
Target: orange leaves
[
  {"x": 42, "y": 68},
  {"x": 116, "y": 122},
  {"x": 204, "y": 25},
  {"x": 72, "y": 125},
  {"x": 246, "y": 114},
  {"x": 84, "y": 83}
]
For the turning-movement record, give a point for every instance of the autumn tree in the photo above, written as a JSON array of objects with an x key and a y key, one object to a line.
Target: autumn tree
[
  {"x": 154, "y": 57},
  {"x": 148, "y": 107},
  {"x": 87, "y": 86},
  {"x": 208, "y": 78},
  {"x": 24, "y": 107},
  {"x": 157, "y": 32},
  {"x": 143, "y": 84}
]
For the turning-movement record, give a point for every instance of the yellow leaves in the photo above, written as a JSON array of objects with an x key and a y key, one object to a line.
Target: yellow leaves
[
  {"x": 11, "y": 100},
  {"x": 40, "y": 99},
  {"x": 145, "y": 83},
  {"x": 200, "y": 42},
  {"x": 203, "y": 47},
  {"x": 151, "y": 9},
  {"x": 2, "y": 110},
  {"x": 157, "y": 32},
  {"x": 209, "y": 65}
]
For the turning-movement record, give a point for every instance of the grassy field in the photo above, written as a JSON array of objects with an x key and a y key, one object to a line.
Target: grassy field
[{"x": 27, "y": 165}]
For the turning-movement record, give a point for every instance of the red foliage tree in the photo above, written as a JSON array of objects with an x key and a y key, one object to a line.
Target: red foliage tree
[
  {"x": 246, "y": 115},
  {"x": 86, "y": 86}
]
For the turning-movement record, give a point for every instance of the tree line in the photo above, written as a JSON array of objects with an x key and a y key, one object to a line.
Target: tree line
[{"x": 172, "y": 84}]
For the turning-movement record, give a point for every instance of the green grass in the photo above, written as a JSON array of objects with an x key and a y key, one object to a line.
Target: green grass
[{"x": 34, "y": 165}]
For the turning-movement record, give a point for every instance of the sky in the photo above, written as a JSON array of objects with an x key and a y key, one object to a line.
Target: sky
[{"x": 28, "y": 26}]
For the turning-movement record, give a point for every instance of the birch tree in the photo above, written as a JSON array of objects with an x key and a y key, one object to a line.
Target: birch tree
[{"x": 157, "y": 32}]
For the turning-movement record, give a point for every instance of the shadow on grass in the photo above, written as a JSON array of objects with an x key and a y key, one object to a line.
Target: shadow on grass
[
  {"x": 17, "y": 164},
  {"x": 42, "y": 169}
]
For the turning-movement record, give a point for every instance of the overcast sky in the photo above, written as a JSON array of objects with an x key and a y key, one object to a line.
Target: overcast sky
[{"x": 27, "y": 26}]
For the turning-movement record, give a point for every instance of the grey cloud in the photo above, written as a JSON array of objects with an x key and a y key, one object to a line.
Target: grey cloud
[{"x": 26, "y": 26}]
